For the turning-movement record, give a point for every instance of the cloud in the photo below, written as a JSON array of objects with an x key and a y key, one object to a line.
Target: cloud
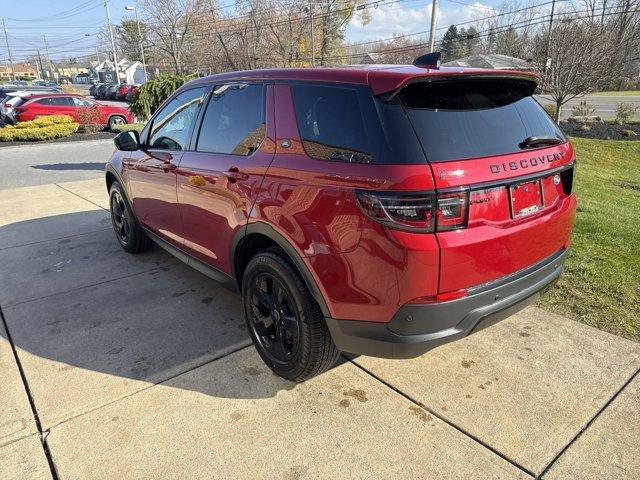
[{"x": 403, "y": 19}]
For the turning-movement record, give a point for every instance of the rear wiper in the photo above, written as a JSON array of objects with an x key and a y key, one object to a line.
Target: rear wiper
[{"x": 532, "y": 142}]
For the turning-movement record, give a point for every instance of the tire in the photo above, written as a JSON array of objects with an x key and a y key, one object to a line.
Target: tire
[
  {"x": 128, "y": 232},
  {"x": 116, "y": 120},
  {"x": 291, "y": 336}
]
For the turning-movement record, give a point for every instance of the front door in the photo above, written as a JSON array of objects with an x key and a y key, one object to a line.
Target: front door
[
  {"x": 218, "y": 182},
  {"x": 152, "y": 169}
]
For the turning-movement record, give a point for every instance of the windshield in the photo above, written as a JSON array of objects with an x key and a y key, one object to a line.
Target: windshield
[{"x": 462, "y": 119}]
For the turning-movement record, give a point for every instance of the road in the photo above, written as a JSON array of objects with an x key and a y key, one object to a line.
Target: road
[
  {"x": 605, "y": 106},
  {"x": 46, "y": 163}
]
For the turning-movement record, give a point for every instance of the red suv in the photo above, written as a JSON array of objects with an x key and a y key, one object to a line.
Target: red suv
[
  {"x": 381, "y": 210},
  {"x": 34, "y": 106}
]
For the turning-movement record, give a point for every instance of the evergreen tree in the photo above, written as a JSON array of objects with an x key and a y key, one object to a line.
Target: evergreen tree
[{"x": 451, "y": 45}]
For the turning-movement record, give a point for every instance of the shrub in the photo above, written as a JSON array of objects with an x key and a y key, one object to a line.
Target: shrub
[
  {"x": 583, "y": 109},
  {"x": 154, "y": 92},
  {"x": 127, "y": 127},
  {"x": 44, "y": 128},
  {"x": 625, "y": 111},
  {"x": 89, "y": 115},
  {"x": 551, "y": 109}
]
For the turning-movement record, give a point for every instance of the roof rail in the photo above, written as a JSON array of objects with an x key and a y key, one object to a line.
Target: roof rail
[{"x": 430, "y": 60}]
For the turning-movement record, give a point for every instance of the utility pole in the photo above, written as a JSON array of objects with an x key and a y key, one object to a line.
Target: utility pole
[
  {"x": 144, "y": 63},
  {"x": 113, "y": 43},
  {"x": 432, "y": 32},
  {"x": 6, "y": 39},
  {"x": 41, "y": 67},
  {"x": 313, "y": 47},
  {"x": 46, "y": 48},
  {"x": 547, "y": 60}
]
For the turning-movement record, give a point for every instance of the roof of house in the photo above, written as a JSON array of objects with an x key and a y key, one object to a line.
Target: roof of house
[
  {"x": 382, "y": 78},
  {"x": 492, "y": 61}
]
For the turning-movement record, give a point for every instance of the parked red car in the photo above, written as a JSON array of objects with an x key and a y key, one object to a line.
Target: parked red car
[
  {"x": 382, "y": 210},
  {"x": 35, "y": 106},
  {"x": 121, "y": 92}
]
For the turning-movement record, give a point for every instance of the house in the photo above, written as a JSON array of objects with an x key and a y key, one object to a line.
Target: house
[
  {"x": 22, "y": 70},
  {"x": 492, "y": 61},
  {"x": 128, "y": 72}
]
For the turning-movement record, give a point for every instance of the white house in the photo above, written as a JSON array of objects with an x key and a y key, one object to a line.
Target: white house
[{"x": 128, "y": 72}]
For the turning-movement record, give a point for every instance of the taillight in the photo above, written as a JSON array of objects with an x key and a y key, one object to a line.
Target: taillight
[
  {"x": 418, "y": 212},
  {"x": 401, "y": 211},
  {"x": 452, "y": 210},
  {"x": 7, "y": 105}
]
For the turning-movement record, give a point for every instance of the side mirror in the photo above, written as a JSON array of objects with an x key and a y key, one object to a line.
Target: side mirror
[{"x": 127, "y": 141}]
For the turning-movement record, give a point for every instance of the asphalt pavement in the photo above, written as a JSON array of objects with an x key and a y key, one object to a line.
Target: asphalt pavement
[{"x": 27, "y": 165}]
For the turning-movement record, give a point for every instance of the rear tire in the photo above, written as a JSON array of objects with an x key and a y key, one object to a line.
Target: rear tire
[
  {"x": 285, "y": 323},
  {"x": 128, "y": 232}
]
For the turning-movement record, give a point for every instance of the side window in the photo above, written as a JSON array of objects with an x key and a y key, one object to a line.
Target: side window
[
  {"x": 171, "y": 126},
  {"x": 234, "y": 122},
  {"x": 43, "y": 101},
  {"x": 331, "y": 124},
  {"x": 62, "y": 101},
  {"x": 79, "y": 102}
]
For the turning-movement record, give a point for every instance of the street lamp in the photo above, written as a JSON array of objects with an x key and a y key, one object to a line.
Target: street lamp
[{"x": 144, "y": 63}]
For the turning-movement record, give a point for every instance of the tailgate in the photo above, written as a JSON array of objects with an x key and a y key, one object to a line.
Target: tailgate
[{"x": 521, "y": 215}]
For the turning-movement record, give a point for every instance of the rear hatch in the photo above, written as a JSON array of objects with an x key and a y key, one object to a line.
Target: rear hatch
[{"x": 501, "y": 163}]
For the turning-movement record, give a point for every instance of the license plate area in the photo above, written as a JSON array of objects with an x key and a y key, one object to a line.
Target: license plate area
[{"x": 526, "y": 198}]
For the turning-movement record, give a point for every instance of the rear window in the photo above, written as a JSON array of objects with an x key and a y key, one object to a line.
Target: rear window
[{"x": 463, "y": 119}]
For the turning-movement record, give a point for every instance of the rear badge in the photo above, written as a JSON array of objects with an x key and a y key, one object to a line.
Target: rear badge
[{"x": 556, "y": 179}]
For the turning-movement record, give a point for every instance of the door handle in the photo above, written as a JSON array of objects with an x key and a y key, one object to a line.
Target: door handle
[{"x": 234, "y": 174}]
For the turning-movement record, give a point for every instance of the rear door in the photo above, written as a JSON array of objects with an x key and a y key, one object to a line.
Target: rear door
[
  {"x": 490, "y": 138},
  {"x": 219, "y": 179}
]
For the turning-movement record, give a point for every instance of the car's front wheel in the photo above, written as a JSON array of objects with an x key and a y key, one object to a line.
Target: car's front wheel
[
  {"x": 128, "y": 232},
  {"x": 116, "y": 120},
  {"x": 285, "y": 323}
]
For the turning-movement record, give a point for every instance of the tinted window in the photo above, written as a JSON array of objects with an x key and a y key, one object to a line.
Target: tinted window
[
  {"x": 43, "y": 101},
  {"x": 331, "y": 124},
  {"x": 466, "y": 119},
  {"x": 62, "y": 101},
  {"x": 234, "y": 121},
  {"x": 79, "y": 102},
  {"x": 172, "y": 125}
]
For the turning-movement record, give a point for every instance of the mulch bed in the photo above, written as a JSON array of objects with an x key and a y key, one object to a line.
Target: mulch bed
[
  {"x": 76, "y": 137},
  {"x": 601, "y": 131}
]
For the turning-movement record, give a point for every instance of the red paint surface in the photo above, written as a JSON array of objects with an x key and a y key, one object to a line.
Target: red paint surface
[{"x": 33, "y": 110}]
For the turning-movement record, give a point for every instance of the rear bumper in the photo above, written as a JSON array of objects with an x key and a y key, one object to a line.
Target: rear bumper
[{"x": 415, "y": 329}]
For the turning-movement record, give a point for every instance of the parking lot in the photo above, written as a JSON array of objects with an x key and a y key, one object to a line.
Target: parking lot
[{"x": 120, "y": 366}]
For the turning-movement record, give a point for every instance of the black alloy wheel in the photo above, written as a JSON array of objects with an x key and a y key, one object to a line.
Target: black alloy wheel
[{"x": 273, "y": 318}]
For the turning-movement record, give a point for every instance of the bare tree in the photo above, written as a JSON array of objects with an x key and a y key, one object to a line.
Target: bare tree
[{"x": 578, "y": 65}]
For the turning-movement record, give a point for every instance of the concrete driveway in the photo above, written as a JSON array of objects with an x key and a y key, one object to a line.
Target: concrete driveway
[{"x": 120, "y": 366}]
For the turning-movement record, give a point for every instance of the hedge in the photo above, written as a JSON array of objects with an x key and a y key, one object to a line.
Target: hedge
[
  {"x": 43, "y": 128},
  {"x": 127, "y": 127}
]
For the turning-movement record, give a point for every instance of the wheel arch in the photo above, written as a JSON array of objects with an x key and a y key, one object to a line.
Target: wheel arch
[{"x": 260, "y": 236}]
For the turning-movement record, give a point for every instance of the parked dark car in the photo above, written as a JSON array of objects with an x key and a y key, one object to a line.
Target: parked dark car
[
  {"x": 93, "y": 88},
  {"x": 112, "y": 91},
  {"x": 382, "y": 210},
  {"x": 101, "y": 91}
]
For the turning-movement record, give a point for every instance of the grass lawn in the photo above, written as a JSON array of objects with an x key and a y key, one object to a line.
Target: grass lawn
[
  {"x": 601, "y": 284},
  {"x": 622, "y": 93}
]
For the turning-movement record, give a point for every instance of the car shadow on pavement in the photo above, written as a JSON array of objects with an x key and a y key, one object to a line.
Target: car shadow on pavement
[
  {"x": 75, "y": 304},
  {"x": 71, "y": 166}
]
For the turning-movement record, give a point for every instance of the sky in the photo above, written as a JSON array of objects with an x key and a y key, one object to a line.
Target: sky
[{"x": 66, "y": 22}]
